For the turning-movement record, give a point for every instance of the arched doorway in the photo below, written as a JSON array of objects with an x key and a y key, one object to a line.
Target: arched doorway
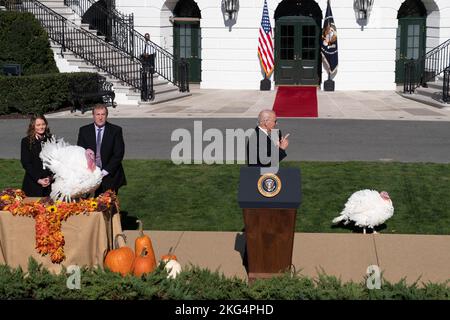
[
  {"x": 187, "y": 37},
  {"x": 411, "y": 35},
  {"x": 297, "y": 46}
]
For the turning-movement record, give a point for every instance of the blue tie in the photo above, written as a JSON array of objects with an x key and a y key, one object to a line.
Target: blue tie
[{"x": 98, "y": 159}]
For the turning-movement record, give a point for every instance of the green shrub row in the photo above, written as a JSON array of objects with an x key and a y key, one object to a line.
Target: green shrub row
[
  {"x": 41, "y": 93},
  {"x": 201, "y": 284},
  {"x": 24, "y": 41}
]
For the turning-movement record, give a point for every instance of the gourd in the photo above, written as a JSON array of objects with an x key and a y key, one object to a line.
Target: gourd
[
  {"x": 144, "y": 242},
  {"x": 144, "y": 263},
  {"x": 121, "y": 259},
  {"x": 169, "y": 256},
  {"x": 173, "y": 268}
]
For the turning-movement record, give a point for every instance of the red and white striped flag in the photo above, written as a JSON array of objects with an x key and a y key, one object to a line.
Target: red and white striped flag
[{"x": 265, "y": 43}]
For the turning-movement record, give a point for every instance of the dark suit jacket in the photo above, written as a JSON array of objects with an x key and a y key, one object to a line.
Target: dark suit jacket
[
  {"x": 29, "y": 157},
  {"x": 111, "y": 152},
  {"x": 254, "y": 146}
]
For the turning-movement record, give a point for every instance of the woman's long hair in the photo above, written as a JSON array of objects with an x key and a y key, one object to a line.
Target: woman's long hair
[{"x": 31, "y": 132}]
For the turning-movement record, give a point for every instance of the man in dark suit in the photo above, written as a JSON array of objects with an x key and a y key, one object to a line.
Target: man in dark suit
[
  {"x": 148, "y": 69},
  {"x": 106, "y": 140},
  {"x": 264, "y": 140}
]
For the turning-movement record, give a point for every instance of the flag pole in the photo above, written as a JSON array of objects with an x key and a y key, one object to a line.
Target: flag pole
[
  {"x": 328, "y": 84},
  {"x": 265, "y": 48}
]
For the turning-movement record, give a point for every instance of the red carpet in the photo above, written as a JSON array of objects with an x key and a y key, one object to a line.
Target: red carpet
[{"x": 296, "y": 102}]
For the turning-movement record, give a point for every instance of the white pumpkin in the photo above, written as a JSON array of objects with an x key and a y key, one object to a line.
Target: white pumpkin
[{"x": 173, "y": 268}]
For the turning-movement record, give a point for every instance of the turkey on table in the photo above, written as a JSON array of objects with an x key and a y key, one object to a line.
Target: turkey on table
[
  {"x": 75, "y": 172},
  {"x": 367, "y": 208}
]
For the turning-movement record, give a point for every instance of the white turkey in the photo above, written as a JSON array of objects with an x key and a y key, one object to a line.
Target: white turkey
[
  {"x": 75, "y": 172},
  {"x": 367, "y": 208}
]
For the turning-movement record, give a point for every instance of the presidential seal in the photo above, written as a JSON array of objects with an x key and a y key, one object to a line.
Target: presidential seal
[{"x": 269, "y": 185}]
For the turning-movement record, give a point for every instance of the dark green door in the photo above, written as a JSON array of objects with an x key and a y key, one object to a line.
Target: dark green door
[
  {"x": 296, "y": 51},
  {"x": 410, "y": 44},
  {"x": 187, "y": 44}
]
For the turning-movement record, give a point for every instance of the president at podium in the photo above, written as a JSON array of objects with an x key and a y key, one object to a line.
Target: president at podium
[
  {"x": 269, "y": 197},
  {"x": 266, "y": 146}
]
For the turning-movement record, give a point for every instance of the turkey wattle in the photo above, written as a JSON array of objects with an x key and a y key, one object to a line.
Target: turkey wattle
[
  {"x": 367, "y": 208},
  {"x": 75, "y": 172}
]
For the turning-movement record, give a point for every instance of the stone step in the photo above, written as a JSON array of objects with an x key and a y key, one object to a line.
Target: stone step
[
  {"x": 58, "y": 8},
  {"x": 429, "y": 92},
  {"x": 164, "y": 89},
  {"x": 435, "y": 84},
  {"x": 121, "y": 89},
  {"x": 87, "y": 68},
  {"x": 52, "y": 2},
  {"x": 74, "y": 60},
  {"x": 89, "y": 46},
  {"x": 86, "y": 41},
  {"x": 167, "y": 96},
  {"x": 134, "y": 96},
  {"x": 159, "y": 82},
  {"x": 431, "y": 101}
]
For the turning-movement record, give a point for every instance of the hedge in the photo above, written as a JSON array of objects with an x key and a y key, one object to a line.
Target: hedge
[
  {"x": 41, "y": 93},
  {"x": 202, "y": 284},
  {"x": 24, "y": 41}
]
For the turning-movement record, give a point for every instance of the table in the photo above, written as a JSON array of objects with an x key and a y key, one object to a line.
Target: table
[{"x": 86, "y": 240}]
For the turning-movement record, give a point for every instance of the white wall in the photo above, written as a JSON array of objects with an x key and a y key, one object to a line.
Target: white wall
[
  {"x": 229, "y": 57},
  {"x": 444, "y": 9}
]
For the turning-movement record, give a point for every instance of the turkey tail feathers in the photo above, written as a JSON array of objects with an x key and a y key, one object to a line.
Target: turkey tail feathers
[{"x": 339, "y": 219}]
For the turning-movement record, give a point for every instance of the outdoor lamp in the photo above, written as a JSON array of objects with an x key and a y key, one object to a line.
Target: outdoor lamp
[
  {"x": 362, "y": 10},
  {"x": 230, "y": 7}
]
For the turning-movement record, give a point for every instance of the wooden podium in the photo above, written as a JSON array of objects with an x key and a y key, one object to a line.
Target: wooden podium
[{"x": 269, "y": 222}]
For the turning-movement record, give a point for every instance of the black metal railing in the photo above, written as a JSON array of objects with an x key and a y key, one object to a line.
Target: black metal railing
[
  {"x": 134, "y": 43},
  {"x": 420, "y": 71},
  {"x": 115, "y": 26},
  {"x": 91, "y": 48},
  {"x": 446, "y": 85},
  {"x": 84, "y": 44}
]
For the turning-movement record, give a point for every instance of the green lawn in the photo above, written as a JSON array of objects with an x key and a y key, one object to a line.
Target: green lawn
[{"x": 204, "y": 197}]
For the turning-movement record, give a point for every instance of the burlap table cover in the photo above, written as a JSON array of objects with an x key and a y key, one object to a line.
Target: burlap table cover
[{"x": 86, "y": 240}]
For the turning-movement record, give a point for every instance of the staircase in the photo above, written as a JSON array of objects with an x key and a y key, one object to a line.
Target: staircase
[
  {"x": 426, "y": 79},
  {"x": 431, "y": 95},
  {"x": 78, "y": 48}
]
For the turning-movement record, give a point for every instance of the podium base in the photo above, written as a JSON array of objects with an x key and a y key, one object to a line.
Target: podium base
[{"x": 269, "y": 235}]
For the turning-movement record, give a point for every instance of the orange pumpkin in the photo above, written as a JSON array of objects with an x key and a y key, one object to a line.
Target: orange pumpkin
[
  {"x": 143, "y": 242},
  {"x": 168, "y": 256},
  {"x": 121, "y": 259},
  {"x": 144, "y": 263}
]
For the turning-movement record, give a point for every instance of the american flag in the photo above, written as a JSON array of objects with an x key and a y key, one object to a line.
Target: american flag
[{"x": 265, "y": 44}]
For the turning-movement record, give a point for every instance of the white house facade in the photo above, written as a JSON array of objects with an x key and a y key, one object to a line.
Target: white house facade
[{"x": 223, "y": 49}]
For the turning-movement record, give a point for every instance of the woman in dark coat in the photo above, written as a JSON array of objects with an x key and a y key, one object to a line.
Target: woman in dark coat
[{"x": 37, "y": 180}]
